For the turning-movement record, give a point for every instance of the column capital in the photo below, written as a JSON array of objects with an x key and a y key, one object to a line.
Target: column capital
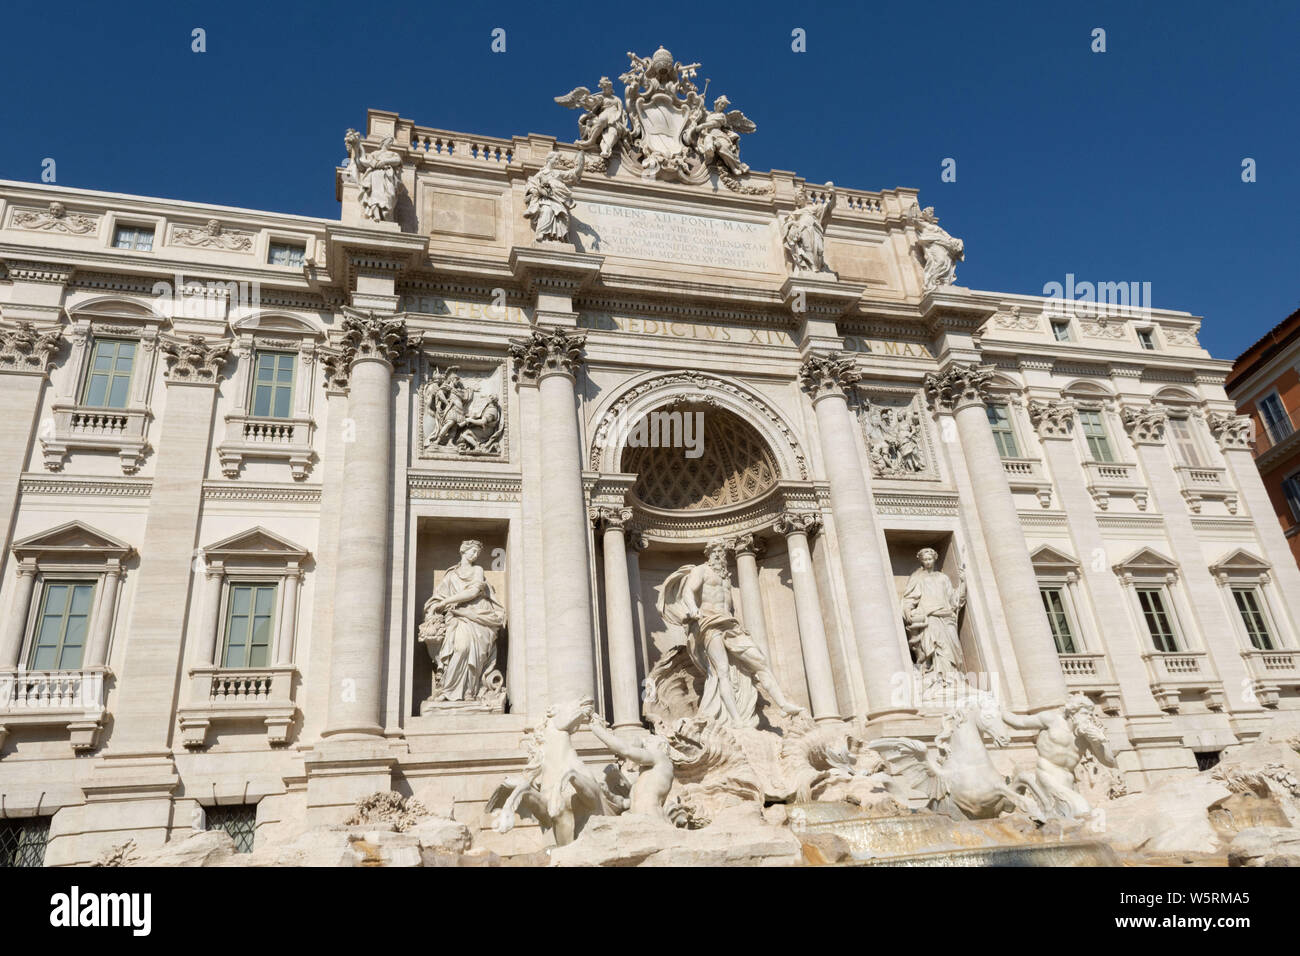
[
  {"x": 604, "y": 517},
  {"x": 546, "y": 352},
  {"x": 26, "y": 568},
  {"x": 828, "y": 374},
  {"x": 1232, "y": 431},
  {"x": 797, "y": 522},
  {"x": 1145, "y": 424},
  {"x": 194, "y": 360},
  {"x": 27, "y": 350},
  {"x": 1053, "y": 419},
  {"x": 958, "y": 385},
  {"x": 372, "y": 335},
  {"x": 747, "y": 544}
]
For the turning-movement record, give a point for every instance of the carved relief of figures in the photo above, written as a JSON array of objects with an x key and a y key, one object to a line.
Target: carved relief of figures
[
  {"x": 549, "y": 197},
  {"x": 939, "y": 251},
  {"x": 697, "y": 599},
  {"x": 461, "y": 417},
  {"x": 894, "y": 439},
  {"x": 213, "y": 236},
  {"x": 55, "y": 219},
  {"x": 462, "y": 622},
  {"x": 603, "y": 123},
  {"x": 803, "y": 231},
  {"x": 930, "y": 607},
  {"x": 377, "y": 174}
]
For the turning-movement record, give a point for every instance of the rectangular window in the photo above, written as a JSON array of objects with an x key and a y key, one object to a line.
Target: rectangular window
[
  {"x": 1252, "y": 615},
  {"x": 1094, "y": 432},
  {"x": 23, "y": 841},
  {"x": 1291, "y": 488},
  {"x": 1156, "y": 614},
  {"x": 1184, "y": 444},
  {"x": 61, "y": 626},
  {"x": 286, "y": 254},
  {"x": 1061, "y": 331},
  {"x": 139, "y": 238},
  {"x": 248, "y": 626},
  {"x": 1054, "y": 605},
  {"x": 273, "y": 374},
  {"x": 239, "y": 820},
  {"x": 108, "y": 383},
  {"x": 1276, "y": 420},
  {"x": 1003, "y": 433},
  {"x": 1147, "y": 339}
]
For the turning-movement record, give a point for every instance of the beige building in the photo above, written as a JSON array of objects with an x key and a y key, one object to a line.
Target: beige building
[{"x": 240, "y": 451}]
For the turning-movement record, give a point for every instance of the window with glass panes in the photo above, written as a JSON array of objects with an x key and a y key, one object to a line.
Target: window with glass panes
[
  {"x": 1291, "y": 488},
  {"x": 1252, "y": 615},
  {"x": 286, "y": 254},
  {"x": 273, "y": 375},
  {"x": 1061, "y": 331},
  {"x": 1156, "y": 614},
  {"x": 108, "y": 383},
  {"x": 1276, "y": 420},
  {"x": 1094, "y": 433},
  {"x": 239, "y": 820},
  {"x": 1003, "y": 433},
  {"x": 1054, "y": 605},
  {"x": 251, "y": 609},
  {"x": 139, "y": 238},
  {"x": 1184, "y": 444},
  {"x": 61, "y": 626},
  {"x": 1147, "y": 339},
  {"x": 23, "y": 841}
]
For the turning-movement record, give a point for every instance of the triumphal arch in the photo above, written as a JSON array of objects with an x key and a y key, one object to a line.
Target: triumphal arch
[{"x": 603, "y": 431}]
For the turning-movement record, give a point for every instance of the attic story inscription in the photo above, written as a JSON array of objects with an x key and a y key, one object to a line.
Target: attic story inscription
[{"x": 615, "y": 230}]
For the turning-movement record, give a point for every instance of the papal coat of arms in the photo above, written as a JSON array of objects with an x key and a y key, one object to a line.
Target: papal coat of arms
[{"x": 663, "y": 121}]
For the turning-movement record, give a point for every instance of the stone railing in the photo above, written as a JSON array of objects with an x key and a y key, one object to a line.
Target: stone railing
[
  {"x": 71, "y": 700},
  {"x": 1089, "y": 674},
  {"x": 284, "y": 439},
  {"x": 853, "y": 202},
  {"x": 1200, "y": 484},
  {"x": 447, "y": 145},
  {"x": 119, "y": 430},
  {"x": 1026, "y": 474},
  {"x": 1173, "y": 672},
  {"x": 221, "y": 694},
  {"x": 1271, "y": 671},
  {"x": 1114, "y": 478}
]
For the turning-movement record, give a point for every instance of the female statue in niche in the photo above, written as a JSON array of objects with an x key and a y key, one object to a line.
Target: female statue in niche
[
  {"x": 930, "y": 608},
  {"x": 461, "y": 623}
]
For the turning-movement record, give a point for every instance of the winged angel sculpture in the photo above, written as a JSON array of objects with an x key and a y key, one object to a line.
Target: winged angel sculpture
[{"x": 662, "y": 121}]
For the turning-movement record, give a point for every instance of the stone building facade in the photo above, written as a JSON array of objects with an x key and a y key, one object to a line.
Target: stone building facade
[{"x": 241, "y": 450}]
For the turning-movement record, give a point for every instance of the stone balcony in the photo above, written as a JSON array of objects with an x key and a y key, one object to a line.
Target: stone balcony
[
  {"x": 238, "y": 695},
  {"x": 1026, "y": 474},
  {"x": 71, "y": 701},
  {"x": 1206, "y": 484},
  {"x": 119, "y": 430},
  {"x": 1271, "y": 671},
  {"x": 1173, "y": 672},
  {"x": 282, "y": 439},
  {"x": 1107, "y": 479},
  {"x": 1090, "y": 674}
]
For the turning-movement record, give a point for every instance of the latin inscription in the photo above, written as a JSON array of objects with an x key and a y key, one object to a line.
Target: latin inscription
[
  {"x": 855, "y": 343},
  {"x": 743, "y": 335},
  {"x": 613, "y": 230}
]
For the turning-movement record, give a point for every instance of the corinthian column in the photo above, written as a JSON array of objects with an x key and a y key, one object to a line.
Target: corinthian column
[
  {"x": 746, "y": 548},
  {"x": 371, "y": 346},
  {"x": 620, "y": 630},
  {"x": 961, "y": 389},
  {"x": 867, "y": 576},
  {"x": 808, "y": 609},
  {"x": 551, "y": 359}
]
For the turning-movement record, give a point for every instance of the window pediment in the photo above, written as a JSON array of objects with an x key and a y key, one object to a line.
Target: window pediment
[
  {"x": 1242, "y": 562},
  {"x": 73, "y": 540},
  {"x": 1146, "y": 561},
  {"x": 256, "y": 544},
  {"x": 1048, "y": 559}
]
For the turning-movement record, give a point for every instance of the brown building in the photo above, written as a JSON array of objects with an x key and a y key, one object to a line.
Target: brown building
[{"x": 1265, "y": 384}]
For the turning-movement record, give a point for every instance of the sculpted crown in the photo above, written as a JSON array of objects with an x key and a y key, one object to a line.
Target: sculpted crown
[
  {"x": 1146, "y": 424},
  {"x": 958, "y": 385},
  {"x": 24, "y": 349},
  {"x": 828, "y": 374},
  {"x": 1052, "y": 419},
  {"x": 194, "y": 359},
  {"x": 556, "y": 350},
  {"x": 368, "y": 335},
  {"x": 1232, "y": 431}
]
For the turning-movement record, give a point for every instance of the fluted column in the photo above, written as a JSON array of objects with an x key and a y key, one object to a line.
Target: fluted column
[
  {"x": 372, "y": 345},
  {"x": 619, "y": 628},
  {"x": 97, "y": 653},
  {"x": 867, "y": 575},
  {"x": 961, "y": 389},
  {"x": 746, "y": 548},
  {"x": 16, "y": 626},
  {"x": 551, "y": 359},
  {"x": 796, "y": 527}
]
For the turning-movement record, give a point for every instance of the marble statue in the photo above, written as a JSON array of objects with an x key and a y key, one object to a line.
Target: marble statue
[
  {"x": 894, "y": 440},
  {"x": 464, "y": 418},
  {"x": 1065, "y": 735},
  {"x": 549, "y": 196},
  {"x": 715, "y": 135},
  {"x": 803, "y": 231},
  {"x": 462, "y": 621},
  {"x": 957, "y": 777},
  {"x": 697, "y": 598},
  {"x": 603, "y": 123},
  {"x": 930, "y": 607},
  {"x": 939, "y": 251},
  {"x": 377, "y": 174},
  {"x": 653, "y": 757},
  {"x": 556, "y": 787}
]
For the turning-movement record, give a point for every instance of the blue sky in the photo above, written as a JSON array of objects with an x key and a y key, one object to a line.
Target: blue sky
[{"x": 1123, "y": 166}]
